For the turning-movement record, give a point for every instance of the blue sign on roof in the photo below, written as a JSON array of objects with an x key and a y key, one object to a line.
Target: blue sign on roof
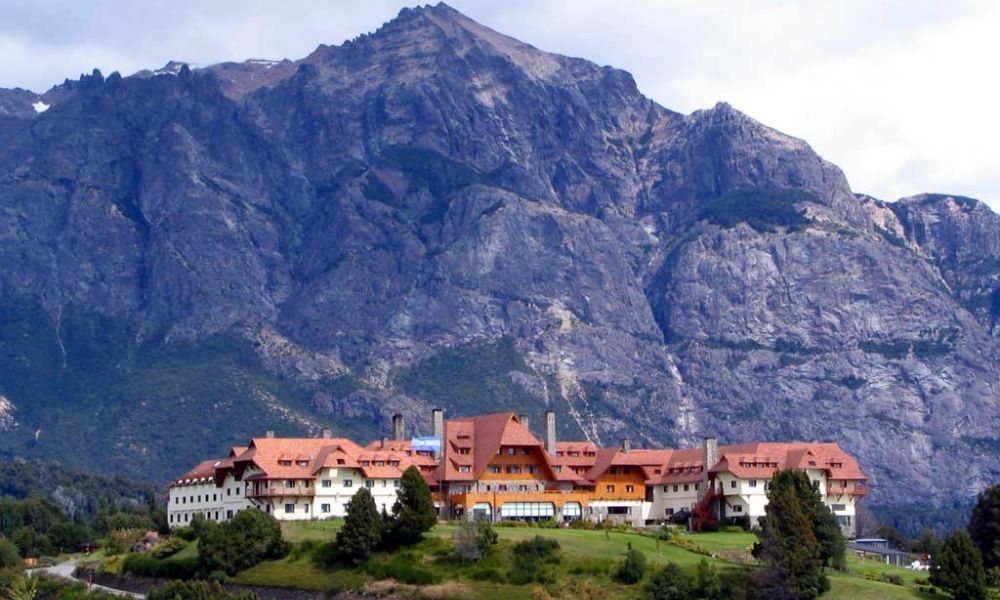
[{"x": 429, "y": 444}]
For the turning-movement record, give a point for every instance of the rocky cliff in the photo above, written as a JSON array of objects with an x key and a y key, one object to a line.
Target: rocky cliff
[{"x": 437, "y": 214}]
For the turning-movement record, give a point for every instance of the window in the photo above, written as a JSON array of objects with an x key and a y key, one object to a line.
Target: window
[
  {"x": 216, "y": 515},
  {"x": 738, "y": 508},
  {"x": 670, "y": 512},
  {"x": 237, "y": 491},
  {"x": 464, "y": 469},
  {"x": 753, "y": 483},
  {"x": 732, "y": 483},
  {"x": 348, "y": 483},
  {"x": 696, "y": 487},
  {"x": 177, "y": 500},
  {"x": 514, "y": 469},
  {"x": 512, "y": 451},
  {"x": 686, "y": 487},
  {"x": 307, "y": 483},
  {"x": 665, "y": 489},
  {"x": 838, "y": 507},
  {"x": 609, "y": 488},
  {"x": 384, "y": 482},
  {"x": 522, "y": 488},
  {"x": 525, "y": 451},
  {"x": 289, "y": 509},
  {"x": 285, "y": 463},
  {"x": 327, "y": 483},
  {"x": 816, "y": 485},
  {"x": 289, "y": 483},
  {"x": 395, "y": 483},
  {"x": 502, "y": 488},
  {"x": 629, "y": 489},
  {"x": 494, "y": 469},
  {"x": 302, "y": 463},
  {"x": 229, "y": 492},
  {"x": 214, "y": 498},
  {"x": 463, "y": 451},
  {"x": 229, "y": 514},
  {"x": 532, "y": 469},
  {"x": 675, "y": 487},
  {"x": 369, "y": 483}
]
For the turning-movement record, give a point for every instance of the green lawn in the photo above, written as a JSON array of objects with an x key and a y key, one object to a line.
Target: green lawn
[
  {"x": 301, "y": 573},
  {"x": 319, "y": 531}
]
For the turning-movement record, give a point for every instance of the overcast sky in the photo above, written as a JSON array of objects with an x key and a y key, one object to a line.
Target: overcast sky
[{"x": 902, "y": 94}]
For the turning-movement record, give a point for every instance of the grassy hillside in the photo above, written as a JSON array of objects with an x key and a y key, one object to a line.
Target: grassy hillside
[{"x": 584, "y": 571}]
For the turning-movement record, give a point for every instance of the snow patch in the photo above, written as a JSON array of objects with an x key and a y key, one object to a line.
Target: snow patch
[{"x": 40, "y": 107}]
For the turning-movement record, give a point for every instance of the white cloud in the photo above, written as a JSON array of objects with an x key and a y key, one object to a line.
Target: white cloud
[{"x": 902, "y": 93}]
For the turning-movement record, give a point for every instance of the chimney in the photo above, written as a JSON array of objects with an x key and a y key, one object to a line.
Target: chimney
[
  {"x": 710, "y": 456},
  {"x": 550, "y": 432},
  {"x": 397, "y": 427},
  {"x": 711, "y": 453},
  {"x": 525, "y": 421},
  {"x": 626, "y": 445},
  {"x": 269, "y": 433},
  {"x": 437, "y": 416},
  {"x": 326, "y": 433},
  {"x": 383, "y": 442}
]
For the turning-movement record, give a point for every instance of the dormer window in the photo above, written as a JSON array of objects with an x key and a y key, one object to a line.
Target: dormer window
[{"x": 285, "y": 463}]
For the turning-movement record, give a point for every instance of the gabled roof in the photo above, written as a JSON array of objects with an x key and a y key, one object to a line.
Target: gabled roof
[
  {"x": 267, "y": 454},
  {"x": 482, "y": 436},
  {"x": 760, "y": 460}
]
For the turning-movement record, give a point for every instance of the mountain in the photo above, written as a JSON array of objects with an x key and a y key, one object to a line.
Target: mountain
[{"x": 438, "y": 214}]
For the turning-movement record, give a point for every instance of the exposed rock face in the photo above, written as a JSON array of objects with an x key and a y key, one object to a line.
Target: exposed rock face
[{"x": 438, "y": 186}]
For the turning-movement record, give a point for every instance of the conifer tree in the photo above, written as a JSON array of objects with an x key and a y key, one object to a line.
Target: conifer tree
[
  {"x": 984, "y": 526},
  {"x": 788, "y": 544},
  {"x": 958, "y": 568},
  {"x": 414, "y": 512},
  {"x": 362, "y": 530},
  {"x": 831, "y": 541}
]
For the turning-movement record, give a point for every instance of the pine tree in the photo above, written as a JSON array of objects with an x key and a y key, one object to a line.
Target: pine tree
[
  {"x": 958, "y": 568},
  {"x": 788, "y": 544},
  {"x": 984, "y": 526},
  {"x": 414, "y": 512},
  {"x": 362, "y": 530},
  {"x": 633, "y": 568},
  {"x": 824, "y": 523}
]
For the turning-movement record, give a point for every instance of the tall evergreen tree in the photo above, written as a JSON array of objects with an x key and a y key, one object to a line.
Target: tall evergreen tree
[
  {"x": 788, "y": 544},
  {"x": 414, "y": 512},
  {"x": 984, "y": 526},
  {"x": 958, "y": 568},
  {"x": 832, "y": 545},
  {"x": 362, "y": 530}
]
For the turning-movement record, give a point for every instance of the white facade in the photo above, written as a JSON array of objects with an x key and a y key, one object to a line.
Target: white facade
[{"x": 200, "y": 497}]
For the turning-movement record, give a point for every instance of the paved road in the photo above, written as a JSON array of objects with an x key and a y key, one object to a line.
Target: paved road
[{"x": 65, "y": 571}]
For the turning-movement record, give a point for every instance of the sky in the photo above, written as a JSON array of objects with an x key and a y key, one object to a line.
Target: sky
[{"x": 904, "y": 95}]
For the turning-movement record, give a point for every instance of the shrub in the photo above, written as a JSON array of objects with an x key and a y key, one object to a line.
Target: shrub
[
  {"x": 168, "y": 547},
  {"x": 249, "y": 538},
  {"x": 528, "y": 557},
  {"x": 669, "y": 583},
  {"x": 486, "y": 537},
  {"x": 9, "y": 555},
  {"x": 146, "y": 565},
  {"x": 196, "y": 590},
  {"x": 466, "y": 544},
  {"x": 185, "y": 533},
  {"x": 710, "y": 526},
  {"x": 633, "y": 568}
]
